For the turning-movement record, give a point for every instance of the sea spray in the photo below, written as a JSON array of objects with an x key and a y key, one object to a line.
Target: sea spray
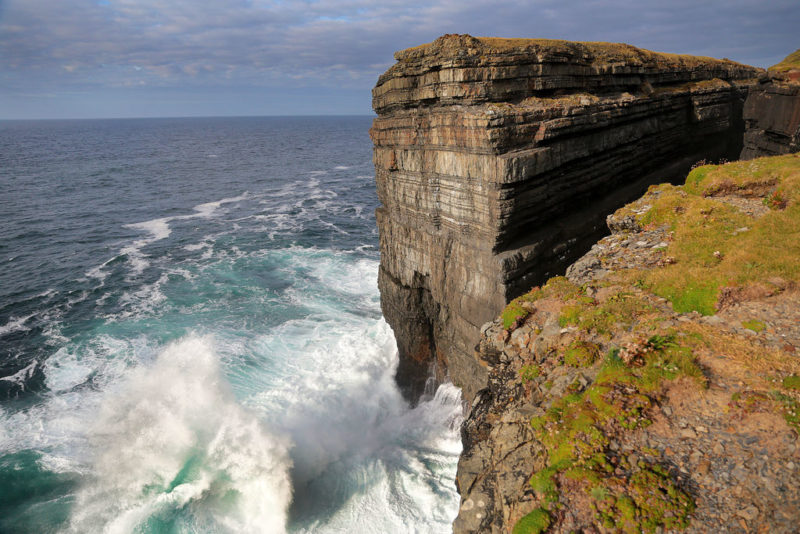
[
  {"x": 172, "y": 438},
  {"x": 144, "y": 243}
]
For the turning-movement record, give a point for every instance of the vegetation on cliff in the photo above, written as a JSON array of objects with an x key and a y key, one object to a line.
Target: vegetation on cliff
[
  {"x": 790, "y": 62},
  {"x": 591, "y": 52},
  {"x": 680, "y": 316},
  {"x": 719, "y": 250}
]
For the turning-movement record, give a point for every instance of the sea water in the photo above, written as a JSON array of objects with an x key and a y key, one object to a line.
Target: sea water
[{"x": 191, "y": 337}]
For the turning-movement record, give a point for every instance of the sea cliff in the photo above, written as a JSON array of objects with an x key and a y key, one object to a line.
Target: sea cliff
[
  {"x": 497, "y": 161},
  {"x": 656, "y": 386}
]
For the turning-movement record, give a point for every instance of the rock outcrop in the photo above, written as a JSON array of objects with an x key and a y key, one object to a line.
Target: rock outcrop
[
  {"x": 656, "y": 388},
  {"x": 772, "y": 111},
  {"x": 497, "y": 160}
]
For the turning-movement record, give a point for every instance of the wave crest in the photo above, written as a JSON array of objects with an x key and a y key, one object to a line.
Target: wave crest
[{"x": 173, "y": 439}]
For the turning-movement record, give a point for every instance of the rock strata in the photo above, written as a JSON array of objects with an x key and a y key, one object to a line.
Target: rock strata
[
  {"x": 497, "y": 160},
  {"x": 772, "y": 112}
]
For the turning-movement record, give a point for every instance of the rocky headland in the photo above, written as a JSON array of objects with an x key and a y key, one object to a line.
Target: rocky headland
[
  {"x": 656, "y": 386},
  {"x": 497, "y": 161}
]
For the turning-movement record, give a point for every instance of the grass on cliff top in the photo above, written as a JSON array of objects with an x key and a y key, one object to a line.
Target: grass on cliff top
[
  {"x": 715, "y": 244},
  {"x": 597, "y": 51},
  {"x": 792, "y": 61},
  {"x": 517, "y": 310},
  {"x": 578, "y": 428}
]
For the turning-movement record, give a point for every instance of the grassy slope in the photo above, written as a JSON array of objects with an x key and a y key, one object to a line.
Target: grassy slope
[
  {"x": 715, "y": 246},
  {"x": 792, "y": 61}
]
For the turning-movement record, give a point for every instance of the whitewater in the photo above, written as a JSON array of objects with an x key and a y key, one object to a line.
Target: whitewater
[{"x": 191, "y": 337}]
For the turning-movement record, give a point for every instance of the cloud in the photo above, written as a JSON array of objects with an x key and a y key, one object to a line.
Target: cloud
[{"x": 54, "y": 45}]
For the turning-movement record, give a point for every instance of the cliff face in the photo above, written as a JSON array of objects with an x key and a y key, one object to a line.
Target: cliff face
[
  {"x": 497, "y": 160},
  {"x": 656, "y": 388},
  {"x": 772, "y": 112}
]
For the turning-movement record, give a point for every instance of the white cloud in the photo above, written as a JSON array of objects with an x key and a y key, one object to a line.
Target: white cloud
[{"x": 47, "y": 44}]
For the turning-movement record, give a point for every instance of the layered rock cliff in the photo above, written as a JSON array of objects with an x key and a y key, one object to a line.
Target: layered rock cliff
[
  {"x": 772, "y": 111},
  {"x": 498, "y": 159}
]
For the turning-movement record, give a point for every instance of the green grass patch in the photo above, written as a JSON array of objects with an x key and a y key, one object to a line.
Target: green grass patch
[
  {"x": 791, "y": 382},
  {"x": 792, "y": 61},
  {"x": 513, "y": 313},
  {"x": 533, "y": 523},
  {"x": 529, "y": 372},
  {"x": 557, "y": 287},
  {"x": 544, "y": 484},
  {"x": 581, "y": 353},
  {"x": 619, "y": 310},
  {"x": 754, "y": 325},
  {"x": 717, "y": 245},
  {"x": 575, "y": 430}
]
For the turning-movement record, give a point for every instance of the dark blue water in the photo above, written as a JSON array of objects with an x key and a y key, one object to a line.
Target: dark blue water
[{"x": 191, "y": 339}]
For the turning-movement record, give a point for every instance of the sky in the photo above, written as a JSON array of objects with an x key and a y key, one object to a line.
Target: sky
[{"x": 172, "y": 58}]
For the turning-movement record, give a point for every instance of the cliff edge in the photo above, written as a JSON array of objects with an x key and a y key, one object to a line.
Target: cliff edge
[
  {"x": 656, "y": 387},
  {"x": 497, "y": 161}
]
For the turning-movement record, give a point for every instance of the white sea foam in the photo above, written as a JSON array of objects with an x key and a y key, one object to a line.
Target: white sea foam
[
  {"x": 20, "y": 376},
  {"x": 159, "y": 229},
  {"x": 97, "y": 272},
  {"x": 342, "y": 167},
  {"x": 207, "y": 209},
  {"x": 333, "y": 226},
  {"x": 105, "y": 356},
  {"x": 58, "y": 423},
  {"x": 339, "y": 383},
  {"x": 174, "y": 439},
  {"x": 15, "y": 324},
  {"x": 146, "y": 300}
]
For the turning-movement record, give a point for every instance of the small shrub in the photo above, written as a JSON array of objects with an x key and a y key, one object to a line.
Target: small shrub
[{"x": 775, "y": 201}]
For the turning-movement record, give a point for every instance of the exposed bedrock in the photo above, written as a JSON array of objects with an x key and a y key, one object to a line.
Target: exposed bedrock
[
  {"x": 772, "y": 116},
  {"x": 497, "y": 161}
]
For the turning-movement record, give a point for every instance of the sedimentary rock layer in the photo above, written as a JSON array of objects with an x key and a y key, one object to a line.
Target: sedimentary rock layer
[
  {"x": 497, "y": 160},
  {"x": 772, "y": 116}
]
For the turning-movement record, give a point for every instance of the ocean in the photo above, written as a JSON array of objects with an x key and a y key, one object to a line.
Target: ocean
[{"x": 191, "y": 337}]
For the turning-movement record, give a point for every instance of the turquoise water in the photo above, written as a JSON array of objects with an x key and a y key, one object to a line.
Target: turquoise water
[{"x": 191, "y": 337}]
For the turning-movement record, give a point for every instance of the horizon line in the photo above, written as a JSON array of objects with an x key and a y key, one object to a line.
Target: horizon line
[{"x": 189, "y": 117}]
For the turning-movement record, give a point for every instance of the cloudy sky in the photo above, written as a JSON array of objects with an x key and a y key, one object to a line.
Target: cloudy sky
[{"x": 146, "y": 58}]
